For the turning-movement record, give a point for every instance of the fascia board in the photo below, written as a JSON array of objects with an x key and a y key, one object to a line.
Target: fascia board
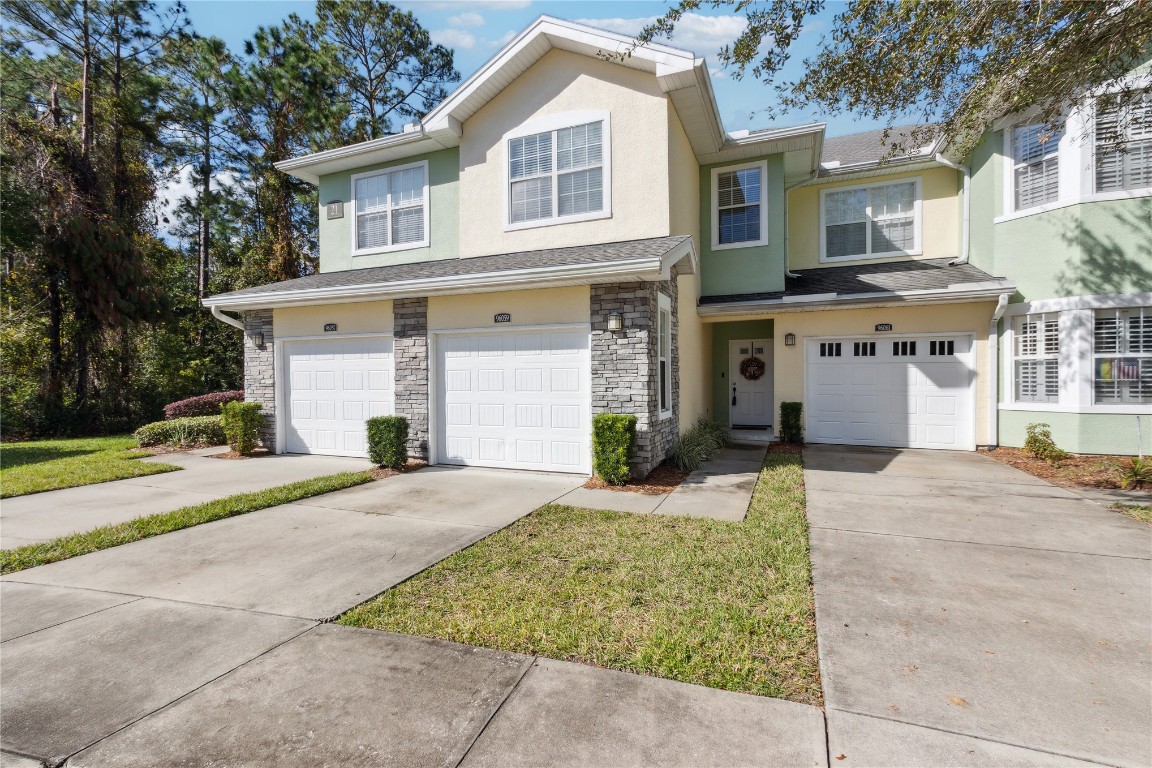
[{"x": 958, "y": 294}]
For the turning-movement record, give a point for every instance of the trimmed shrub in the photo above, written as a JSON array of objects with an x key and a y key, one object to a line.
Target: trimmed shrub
[
  {"x": 191, "y": 432},
  {"x": 1040, "y": 444},
  {"x": 792, "y": 422},
  {"x": 242, "y": 423},
  {"x": 388, "y": 441},
  {"x": 202, "y": 405},
  {"x": 697, "y": 444},
  {"x": 613, "y": 437}
]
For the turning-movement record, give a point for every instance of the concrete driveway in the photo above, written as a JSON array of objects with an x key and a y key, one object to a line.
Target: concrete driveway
[
  {"x": 971, "y": 614},
  {"x": 44, "y": 516}
]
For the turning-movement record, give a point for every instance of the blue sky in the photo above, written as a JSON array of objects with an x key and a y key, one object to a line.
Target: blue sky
[{"x": 477, "y": 30}]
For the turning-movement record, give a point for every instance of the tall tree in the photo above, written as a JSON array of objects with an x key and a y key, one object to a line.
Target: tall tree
[{"x": 389, "y": 65}]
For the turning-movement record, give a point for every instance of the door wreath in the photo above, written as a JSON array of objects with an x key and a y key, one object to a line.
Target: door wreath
[{"x": 752, "y": 368}]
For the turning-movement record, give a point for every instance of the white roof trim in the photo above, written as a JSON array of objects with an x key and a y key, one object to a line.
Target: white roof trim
[{"x": 956, "y": 294}]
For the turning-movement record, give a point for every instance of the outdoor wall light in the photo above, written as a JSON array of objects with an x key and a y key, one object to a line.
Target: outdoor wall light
[
  {"x": 258, "y": 339},
  {"x": 615, "y": 322},
  {"x": 789, "y": 339}
]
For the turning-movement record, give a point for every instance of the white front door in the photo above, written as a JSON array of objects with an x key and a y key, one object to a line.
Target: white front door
[
  {"x": 750, "y": 396},
  {"x": 333, "y": 387},
  {"x": 905, "y": 392},
  {"x": 516, "y": 399}
]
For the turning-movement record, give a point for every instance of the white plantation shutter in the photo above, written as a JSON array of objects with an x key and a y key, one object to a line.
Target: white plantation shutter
[
  {"x": 569, "y": 159},
  {"x": 1124, "y": 144},
  {"x": 390, "y": 208},
  {"x": 1036, "y": 165},
  {"x": 1122, "y": 355},
  {"x": 1036, "y": 356}
]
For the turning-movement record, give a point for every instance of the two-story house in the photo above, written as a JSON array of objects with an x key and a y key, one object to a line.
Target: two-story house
[{"x": 572, "y": 232}]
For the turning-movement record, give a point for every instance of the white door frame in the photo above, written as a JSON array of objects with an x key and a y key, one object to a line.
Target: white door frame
[
  {"x": 434, "y": 394},
  {"x": 969, "y": 359},
  {"x": 280, "y": 376},
  {"x": 769, "y": 373}
]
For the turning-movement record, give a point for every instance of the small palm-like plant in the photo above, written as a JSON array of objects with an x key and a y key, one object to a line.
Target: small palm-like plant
[{"x": 1137, "y": 473}]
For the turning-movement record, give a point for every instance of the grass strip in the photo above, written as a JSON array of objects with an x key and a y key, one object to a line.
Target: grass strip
[
  {"x": 76, "y": 544},
  {"x": 1141, "y": 512},
  {"x": 721, "y": 604},
  {"x": 48, "y": 465}
]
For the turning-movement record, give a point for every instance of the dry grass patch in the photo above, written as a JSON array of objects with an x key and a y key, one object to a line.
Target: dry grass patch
[{"x": 727, "y": 605}]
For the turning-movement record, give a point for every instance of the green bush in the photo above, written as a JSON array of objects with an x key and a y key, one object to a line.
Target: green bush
[
  {"x": 1040, "y": 444},
  {"x": 242, "y": 423},
  {"x": 697, "y": 444},
  {"x": 792, "y": 422},
  {"x": 188, "y": 432},
  {"x": 1137, "y": 473},
  {"x": 388, "y": 441},
  {"x": 613, "y": 437}
]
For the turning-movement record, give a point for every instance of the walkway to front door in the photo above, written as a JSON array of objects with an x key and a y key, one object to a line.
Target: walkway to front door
[{"x": 750, "y": 371}]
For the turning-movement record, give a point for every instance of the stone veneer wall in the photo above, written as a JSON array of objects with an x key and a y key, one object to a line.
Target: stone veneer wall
[
  {"x": 411, "y": 360},
  {"x": 260, "y": 371},
  {"x": 624, "y": 365}
]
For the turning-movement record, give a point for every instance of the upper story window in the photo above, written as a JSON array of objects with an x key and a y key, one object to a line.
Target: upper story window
[
  {"x": 390, "y": 209},
  {"x": 1122, "y": 355},
  {"x": 739, "y": 215},
  {"x": 871, "y": 221},
  {"x": 1124, "y": 143},
  {"x": 1035, "y": 166},
  {"x": 559, "y": 174}
]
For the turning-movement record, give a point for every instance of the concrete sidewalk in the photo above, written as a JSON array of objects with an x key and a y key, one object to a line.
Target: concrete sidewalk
[
  {"x": 970, "y": 614},
  {"x": 45, "y": 516}
]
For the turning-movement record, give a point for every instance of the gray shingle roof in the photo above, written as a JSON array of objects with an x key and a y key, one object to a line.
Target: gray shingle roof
[
  {"x": 919, "y": 275},
  {"x": 506, "y": 262},
  {"x": 864, "y": 147}
]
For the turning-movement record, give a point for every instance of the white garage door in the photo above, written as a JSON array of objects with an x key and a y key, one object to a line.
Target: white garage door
[
  {"x": 518, "y": 400},
  {"x": 901, "y": 392},
  {"x": 334, "y": 385}
]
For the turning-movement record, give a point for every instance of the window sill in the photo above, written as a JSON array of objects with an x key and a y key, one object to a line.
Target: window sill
[
  {"x": 734, "y": 246},
  {"x": 1100, "y": 197},
  {"x": 664, "y": 415},
  {"x": 391, "y": 249},
  {"x": 1139, "y": 409},
  {"x": 870, "y": 256},
  {"x": 538, "y": 223}
]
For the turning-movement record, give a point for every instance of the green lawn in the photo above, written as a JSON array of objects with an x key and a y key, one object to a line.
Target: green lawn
[
  {"x": 76, "y": 544},
  {"x": 46, "y": 465},
  {"x": 727, "y": 605},
  {"x": 1141, "y": 512}
]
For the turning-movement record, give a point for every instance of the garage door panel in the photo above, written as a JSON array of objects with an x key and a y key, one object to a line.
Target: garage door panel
[{"x": 529, "y": 380}]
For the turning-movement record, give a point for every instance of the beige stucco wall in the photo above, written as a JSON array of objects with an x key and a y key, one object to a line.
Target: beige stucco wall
[
  {"x": 695, "y": 338},
  {"x": 546, "y": 306},
  {"x": 359, "y": 317},
  {"x": 566, "y": 82},
  {"x": 940, "y": 209},
  {"x": 683, "y": 187},
  {"x": 788, "y": 362}
]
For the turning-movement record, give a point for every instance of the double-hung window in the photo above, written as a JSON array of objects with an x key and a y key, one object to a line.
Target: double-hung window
[
  {"x": 1124, "y": 143},
  {"x": 558, "y": 174},
  {"x": 872, "y": 221},
  {"x": 1122, "y": 355},
  {"x": 738, "y": 206},
  {"x": 1036, "y": 355},
  {"x": 391, "y": 209},
  {"x": 664, "y": 354},
  {"x": 1035, "y": 166}
]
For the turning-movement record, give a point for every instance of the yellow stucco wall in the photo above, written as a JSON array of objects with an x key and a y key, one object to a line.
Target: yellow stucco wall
[
  {"x": 546, "y": 306},
  {"x": 683, "y": 181},
  {"x": 566, "y": 82},
  {"x": 788, "y": 362},
  {"x": 940, "y": 210},
  {"x": 695, "y": 338},
  {"x": 359, "y": 317}
]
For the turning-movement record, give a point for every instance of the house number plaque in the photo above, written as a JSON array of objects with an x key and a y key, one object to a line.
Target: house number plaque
[
  {"x": 883, "y": 326},
  {"x": 330, "y": 327},
  {"x": 502, "y": 317}
]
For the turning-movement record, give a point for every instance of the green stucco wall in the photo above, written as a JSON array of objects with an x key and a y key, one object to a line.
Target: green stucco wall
[
  {"x": 444, "y": 220},
  {"x": 759, "y": 269},
  {"x": 722, "y": 334},
  {"x": 1106, "y": 433}
]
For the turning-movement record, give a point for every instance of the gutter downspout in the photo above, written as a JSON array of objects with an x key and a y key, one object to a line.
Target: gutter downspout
[
  {"x": 967, "y": 207},
  {"x": 994, "y": 371},
  {"x": 216, "y": 313}
]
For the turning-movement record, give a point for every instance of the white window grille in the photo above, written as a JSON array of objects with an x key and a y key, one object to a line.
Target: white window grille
[
  {"x": 1035, "y": 166},
  {"x": 556, "y": 174},
  {"x": 1124, "y": 143},
  {"x": 874, "y": 221},
  {"x": 391, "y": 209},
  {"x": 1122, "y": 356},
  {"x": 1036, "y": 358}
]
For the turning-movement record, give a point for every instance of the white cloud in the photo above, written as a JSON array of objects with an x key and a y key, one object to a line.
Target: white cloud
[
  {"x": 468, "y": 19},
  {"x": 717, "y": 73},
  {"x": 441, "y": 5},
  {"x": 503, "y": 40},
  {"x": 704, "y": 35},
  {"x": 178, "y": 188},
  {"x": 453, "y": 38}
]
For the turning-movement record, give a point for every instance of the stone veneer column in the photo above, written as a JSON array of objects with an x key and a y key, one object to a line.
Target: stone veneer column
[
  {"x": 410, "y": 355},
  {"x": 260, "y": 371},
  {"x": 624, "y": 365}
]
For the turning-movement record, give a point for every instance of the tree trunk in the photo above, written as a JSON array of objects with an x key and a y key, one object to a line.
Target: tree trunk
[
  {"x": 54, "y": 378},
  {"x": 205, "y": 206},
  {"x": 86, "y": 87}
]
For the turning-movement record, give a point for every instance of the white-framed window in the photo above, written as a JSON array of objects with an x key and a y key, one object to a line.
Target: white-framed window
[
  {"x": 1123, "y": 143},
  {"x": 1035, "y": 166},
  {"x": 390, "y": 209},
  {"x": 870, "y": 221},
  {"x": 1122, "y": 356},
  {"x": 559, "y": 170},
  {"x": 739, "y": 207},
  {"x": 1036, "y": 358},
  {"x": 664, "y": 354}
]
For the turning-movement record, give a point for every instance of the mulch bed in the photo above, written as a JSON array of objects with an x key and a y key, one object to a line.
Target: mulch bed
[
  {"x": 661, "y": 480},
  {"x": 785, "y": 448},
  {"x": 382, "y": 472},
  {"x": 1076, "y": 471},
  {"x": 259, "y": 453}
]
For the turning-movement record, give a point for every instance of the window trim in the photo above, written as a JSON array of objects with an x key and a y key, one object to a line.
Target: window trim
[
  {"x": 553, "y": 123},
  {"x": 1122, "y": 331},
  {"x": 1090, "y": 188},
  {"x": 425, "y": 243},
  {"x": 1040, "y": 356},
  {"x": 917, "y": 222},
  {"x": 716, "y": 244},
  {"x": 1062, "y": 151},
  {"x": 664, "y": 315}
]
